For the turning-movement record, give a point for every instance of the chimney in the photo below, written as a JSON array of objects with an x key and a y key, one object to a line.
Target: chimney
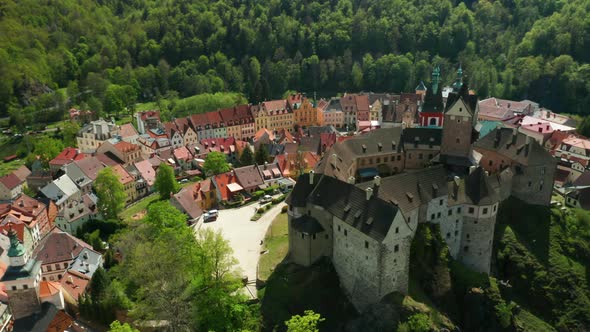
[
  {"x": 379, "y": 146},
  {"x": 311, "y": 173},
  {"x": 364, "y": 148},
  {"x": 377, "y": 180},
  {"x": 70, "y": 279},
  {"x": 471, "y": 169},
  {"x": 351, "y": 180},
  {"x": 369, "y": 192},
  {"x": 265, "y": 164}
]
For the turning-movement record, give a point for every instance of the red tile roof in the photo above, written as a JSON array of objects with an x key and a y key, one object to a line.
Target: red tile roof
[
  {"x": 10, "y": 181},
  {"x": 90, "y": 166},
  {"x": 126, "y": 147},
  {"x": 122, "y": 174},
  {"x": 274, "y": 105},
  {"x": 221, "y": 182},
  {"x": 214, "y": 118},
  {"x": 67, "y": 156},
  {"x": 199, "y": 120},
  {"x": 49, "y": 288},
  {"x": 22, "y": 173},
  {"x": 362, "y": 103},
  {"x": 59, "y": 246},
  {"x": 182, "y": 153},
  {"x": 149, "y": 114},
  {"x": 579, "y": 142},
  {"x": 74, "y": 283},
  {"x": 106, "y": 160}
]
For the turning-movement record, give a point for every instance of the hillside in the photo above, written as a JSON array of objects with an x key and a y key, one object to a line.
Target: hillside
[{"x": 110, "y": 54}]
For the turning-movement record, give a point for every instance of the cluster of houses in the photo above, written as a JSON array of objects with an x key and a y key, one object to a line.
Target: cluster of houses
[{"x": 383, "y": 162}]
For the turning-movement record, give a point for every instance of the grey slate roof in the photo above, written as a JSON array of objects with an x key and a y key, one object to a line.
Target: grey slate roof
[
  {"x": 307, "y": 224},
  {"x": 347, "y": 202},
  {"x": 411, "y": 189},
  {"x": 516, "y": 146},
  {"x": 425, "y": 136}
]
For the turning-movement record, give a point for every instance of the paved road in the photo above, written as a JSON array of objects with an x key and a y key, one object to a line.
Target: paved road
[{"x": 244, "y": 237}]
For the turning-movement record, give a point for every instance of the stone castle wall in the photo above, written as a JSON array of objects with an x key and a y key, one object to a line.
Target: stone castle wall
[
  {"x": 477, "y": 236},
  {"x": 23, "y": 302}
]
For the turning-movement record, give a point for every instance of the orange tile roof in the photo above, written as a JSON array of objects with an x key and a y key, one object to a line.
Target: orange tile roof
[
  {"x": 67, "y": 156},
  {"x": 222, "y": 181},
  {"x": 49, "y": 288},
  {"x": 122, "y": 174},
  {"x": 126, "y": 147},
  {"x": 74, "y": 283}
]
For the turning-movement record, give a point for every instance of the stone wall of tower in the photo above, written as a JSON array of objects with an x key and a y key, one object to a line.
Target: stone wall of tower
[
  {"x": 457, "y": 131},
  {"x": 306, "y": 249},
  {"x": 23, "y": 302},
  {"x": 533, "y": 184},
  {"x": 451, "y": 229},
  {"x": 477, "y": 236}
]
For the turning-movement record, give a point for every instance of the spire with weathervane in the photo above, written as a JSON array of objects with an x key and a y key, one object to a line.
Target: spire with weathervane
[{"x": 459, "y": 80}]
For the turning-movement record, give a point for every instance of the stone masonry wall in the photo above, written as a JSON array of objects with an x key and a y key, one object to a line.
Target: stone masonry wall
[
  {"x": 23, "y": 302},
  {"x": 477, "y": 237}
]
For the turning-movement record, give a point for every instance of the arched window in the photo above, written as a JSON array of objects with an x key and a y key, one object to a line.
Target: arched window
[{"x": 433, "y": 121}]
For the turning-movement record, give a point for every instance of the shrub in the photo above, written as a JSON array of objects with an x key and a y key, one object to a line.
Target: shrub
[
  {"x": 284, "y": 209},
  {"x": 257, "y": 194}
]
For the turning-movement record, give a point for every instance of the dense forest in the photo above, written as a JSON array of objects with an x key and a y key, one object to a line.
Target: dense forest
[{"x": 107, "y": 55}]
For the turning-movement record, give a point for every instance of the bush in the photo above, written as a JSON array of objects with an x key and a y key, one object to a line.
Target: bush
[
  {"x": 256, "y": 217},
  {"x": 257, "y": 194},
  {"x": 284, "y": 209}
]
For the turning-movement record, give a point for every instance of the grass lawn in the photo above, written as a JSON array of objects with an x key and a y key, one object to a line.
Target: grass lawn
[
  {"x": 138, "y": 210},
  {"x": 276, "y": 242},
  {"x": 6, "y": 168},
  {"x": 152, "y": 105}
]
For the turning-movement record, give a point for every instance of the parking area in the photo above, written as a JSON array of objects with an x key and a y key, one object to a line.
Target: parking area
[{"x": 245, "y": 236}]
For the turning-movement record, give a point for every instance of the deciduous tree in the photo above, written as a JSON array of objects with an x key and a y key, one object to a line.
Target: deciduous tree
[
  {"x": 215, "y": 163},
  {"x": 110, "y": 193},
  {"x": 165, "y": 182}
]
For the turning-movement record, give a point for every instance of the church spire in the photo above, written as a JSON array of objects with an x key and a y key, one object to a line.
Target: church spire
[
  {"x": 459, "y": 80},
  {"x": 435, "y": 79}
]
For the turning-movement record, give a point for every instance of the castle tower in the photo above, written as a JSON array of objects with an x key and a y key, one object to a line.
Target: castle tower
[
  {"x": 458, "y": 81},
  {"x": 460, "y": 118},
  {"x": 479, "y": 220},
  {"x": 21, "y": 279},
  {"x": 431, "y": 113}
]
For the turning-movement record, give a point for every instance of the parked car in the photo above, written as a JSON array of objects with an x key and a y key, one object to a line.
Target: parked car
[
  {"x": 213, "y": 212},
  {"x": 266, "y": 199},
  {"x": 207, "y": 217}
]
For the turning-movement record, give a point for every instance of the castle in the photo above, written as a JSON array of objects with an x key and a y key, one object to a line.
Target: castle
[{"x": 362, "y": 204}]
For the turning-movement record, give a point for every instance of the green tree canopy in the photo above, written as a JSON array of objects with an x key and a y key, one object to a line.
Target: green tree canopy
[
  {"x": 215, "y": 163},
  {"x": 247, "y": 157},
  {"x": 307, "y": 323},
  {"x": 165, "y": 182},
  {"x": 116, "y": 326},
  {"x": 261, "y": 155},
  {"x": 110, "y": 193}
]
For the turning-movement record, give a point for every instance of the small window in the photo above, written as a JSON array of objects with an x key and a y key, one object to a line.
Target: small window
[
  {"x": 530, "y": 184},
  {"x": 396, "y": 248},
  {"x": 495, "y": 207},
  {"x": 450, "y": 212},
  {"x": 456, "y": 233},
  {"x": 458, "y": 210},
  {"x": 399, "y": 158},
  {"x": 313, "y": 236},
  {"x": 466, "y": 248},
  {"x": 409, "y": 156},
  {"x": 467, "y": 236},
  {"x": 475, "y": 222},
  {"x": 397, "y": 230},
  {"x": 432, "y": 216},
  {"x": 438, "y": 215},
  {"x": 302, "y": 236},
  {"x": 345, "y": 232},
  {"x": 448, "y": 235},
  {"x": 366, "y": 244},
  {"x": 471, "y": 210},
  {"x": 339, "y": 228},
  {"x": 485, "y": 210},
  {"x": 326, "y": 236},
  {"x": 13, "y": 287},
  {"x": 440, "y": 202},
  {"x": 458, "y": 140},
  {"x": 25, "y": 286},
  {"x": 420, "y": 156}
]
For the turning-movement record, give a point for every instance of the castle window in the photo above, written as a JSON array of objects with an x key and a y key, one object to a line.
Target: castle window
[
  {"x": 378, "y": 160},
  {"x": 396, "y": 248},
  {"x": 466, "y": 248},
  {"x": 485, "y": 210},
  {"x": 471, "y": 210},
  {"x": 25, "y": 287},
  {"x": 326, "y": 236},
  {"x": 530, "y": 184},
  {"x": 367, "y": 244},
  {"x": 13, "y": 287},
  {"x": 450, "y": 212},
  {"x": 420, "y": 156},
  {"x": 339, "y": 228},
  {"x": 475, "y": 222},
  {"x": 459, "y": 120},
  {"x": 490, "y": 162},
  {"x": 399, "y": 157},
  {"x": 495, "y": 207},
  {"x": 430, "y": 155},
  {"x": 409, "y": 219},
  {"x": 456, "y": 233},
  {"x": 313, "y": 236},
  {"x": 345, "y": 232},
  {"x": 457, "y": 140},
  {"x": 458, "y": 210},
  {"x": 467, "y": 236},
  {"x": 409, "y": 156},
  {"x": 303, "y": 236},
  {"x": 448, "y": 235},
  {"x": 432, "y": 216},
  {"x": 440, "y": 202},
  {"x": 392, "y": 158},
  {"x": 396, "y": 230}
]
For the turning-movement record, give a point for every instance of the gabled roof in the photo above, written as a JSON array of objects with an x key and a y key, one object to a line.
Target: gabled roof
[
  {"x": 347, "y": 202},
  {"x": 221, "y": 183},
  {"x": 579, "y": 142},
  {"x": 60, "y": 189},
  {"x": 182, "y": 153},
  {"x": 127, "y": 130},
  {"x": 362, "y": 103},
  {"x": 126, "y": 147},
  {"x": 187, "y": 198},
  {"x": 248, "y": 176},
  {"x": 59, "y": 246},
  {"x": 516, "y": 146},
  {"x": 422, "y": 136},
  {"x": 146, "y": 171},
  {"x": 10, "y": 181},
  {"x": 90, "y": 166},
  {"x": 107, "y": 159},
  {"x": 74, "y": 283},
  {"x": 122, "y": 174},
  {"x": 274, "y": 105},
  {"x": 67, "y": 156},
  {"x": 48, "y": 288},
  {"x": 149, "y": 114},
  {"x": 22, "y": 173}
]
